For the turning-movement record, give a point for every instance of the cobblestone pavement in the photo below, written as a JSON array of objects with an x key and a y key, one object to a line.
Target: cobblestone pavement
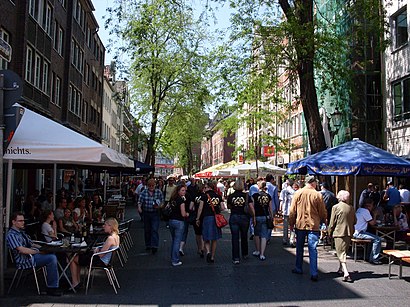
[{"x": 150, "y": 280}]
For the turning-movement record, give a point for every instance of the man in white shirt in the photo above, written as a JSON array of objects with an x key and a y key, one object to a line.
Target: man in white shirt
[
  {"x": 404, "y": 194},
  {"x": 286, "y": 196},
  {"x": 365, "y": 217}
]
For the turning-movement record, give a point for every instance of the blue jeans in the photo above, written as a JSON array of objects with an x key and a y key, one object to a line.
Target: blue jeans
[
  {"x": 151, "y": 225},
  {"x": 239, "y": 224},
  {"x": 313, "y": 239},
  {"x": 176, "y": 228},
  {"x": 376, "y": 246},
  {"x": 50, "y": 261},
  {"x": 185, "y": 234}
]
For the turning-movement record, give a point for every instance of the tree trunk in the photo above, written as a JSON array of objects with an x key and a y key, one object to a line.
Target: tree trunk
[
  {"x": 302, "y": 14},
  {"x": 150, "y": 157}
]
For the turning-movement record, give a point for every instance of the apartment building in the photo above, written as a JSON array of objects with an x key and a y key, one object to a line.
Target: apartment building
[
  {"x": 397, "y": 79},
  {"x": 59, "y": 56}
]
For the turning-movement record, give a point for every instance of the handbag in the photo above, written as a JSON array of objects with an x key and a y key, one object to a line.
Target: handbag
[
  {"x": 167, "y": 210},
  {"x": 220, "y": 220},
  {"x": 269, "y": 220}
]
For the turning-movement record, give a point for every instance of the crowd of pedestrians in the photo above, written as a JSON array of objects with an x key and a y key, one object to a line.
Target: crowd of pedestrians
[{"x": 311, "y": 213}]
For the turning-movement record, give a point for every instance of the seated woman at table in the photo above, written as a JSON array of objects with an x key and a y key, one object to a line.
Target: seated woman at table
[
  {"x": 400, "y": 220},
  {"x": 66, "y": 224},
  {"x": 81, "y": 213},
  {"x": 111, "y": 242},
  {"x": 49, "y": 226}
]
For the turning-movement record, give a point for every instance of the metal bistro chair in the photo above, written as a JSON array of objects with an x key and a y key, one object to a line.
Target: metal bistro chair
[
  {"x": 20, "y": 271},
  {"x": 109, "y": 270},
  {"x": 125, "y": 226}
]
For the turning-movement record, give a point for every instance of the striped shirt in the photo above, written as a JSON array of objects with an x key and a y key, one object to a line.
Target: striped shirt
[
  {"x": 147, "y": 200},
  {"x": 15, "y": 239}
]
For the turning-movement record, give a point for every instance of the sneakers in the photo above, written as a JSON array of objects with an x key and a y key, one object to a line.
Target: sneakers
[
  {"x": 177, "y": 263},
  {"x": 314, "y": 278},
  {"x": 181, "y": 253},
  {"x": 256, "y": 253},
  {"x": 376, "y": 262},
  {"x": 262, "y": 258},
  {"x": 235, "y": 262}
]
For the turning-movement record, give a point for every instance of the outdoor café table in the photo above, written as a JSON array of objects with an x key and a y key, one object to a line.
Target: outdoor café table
[
  {"x": 397, "y": 255},
  {"x": 70, "y": 251}
]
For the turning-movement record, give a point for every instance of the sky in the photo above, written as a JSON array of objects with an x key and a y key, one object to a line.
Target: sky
[{"x": 100, "y": 6}]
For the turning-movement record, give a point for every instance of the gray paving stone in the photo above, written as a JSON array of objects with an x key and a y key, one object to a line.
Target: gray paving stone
[{"x": 150, "y": 280}]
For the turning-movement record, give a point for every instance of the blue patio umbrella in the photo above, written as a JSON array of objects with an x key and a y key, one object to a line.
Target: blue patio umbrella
[{"x": 352, "y": 158}]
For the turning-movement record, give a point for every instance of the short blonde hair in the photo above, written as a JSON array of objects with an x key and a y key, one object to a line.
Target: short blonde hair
[
  {"x": 343, "y": 196},
  {"x": 238, "y": 185}
]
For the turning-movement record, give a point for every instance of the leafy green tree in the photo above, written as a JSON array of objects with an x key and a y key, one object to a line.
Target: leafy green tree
[
  {"x": 183, "y": 134},
  {"x": 169, "y": 63},
  {"x": 294, "y": 46}
]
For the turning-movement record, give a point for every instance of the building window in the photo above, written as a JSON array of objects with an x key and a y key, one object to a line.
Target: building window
[
  {"x": 29, "y": 65},
  {"x": 400, "y": 28},
  {"x": 45, "y": 86},
  {"x": 85, "y": 112},
  {"x": 37, "y": 71},
  {"x": 48, "y": 15},
  {"x": 77, "y": 58},
  {"x": 58, "y": 39},
  {"x": 6, "y": 37},
  {"x": 57, "y": 92},
  {"x": 401, "y": 99},
  {"x": 33, "y": 8},
  {"x": 75, "y": 101}
]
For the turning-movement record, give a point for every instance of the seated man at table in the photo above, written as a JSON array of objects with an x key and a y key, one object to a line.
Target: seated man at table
[
  {"x": 21, "y": 247},
  {"x": 400, "y": 221},
  {"x": 365, "y": 217}
]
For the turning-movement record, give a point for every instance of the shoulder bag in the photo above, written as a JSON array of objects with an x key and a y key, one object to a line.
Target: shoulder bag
[
  {"x": 220, "y": 220},
  {"x": 269, "y": 219},
  {"x": 167, "y": 210}
]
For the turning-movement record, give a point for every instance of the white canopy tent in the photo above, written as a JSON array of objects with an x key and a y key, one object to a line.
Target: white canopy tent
[
  {"x": 261, "y": 167},
  {"x": 39, "y": 140}
]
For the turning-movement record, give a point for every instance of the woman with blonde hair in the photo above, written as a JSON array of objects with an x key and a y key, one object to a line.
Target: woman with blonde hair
[
  {"x": 239, "y": 219},
  {"x": 112, "y": 241},
  {"x": 341, "y": 228}
]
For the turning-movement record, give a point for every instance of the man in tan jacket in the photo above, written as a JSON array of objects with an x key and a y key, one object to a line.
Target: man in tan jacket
[{"x": 306, "y": 213}]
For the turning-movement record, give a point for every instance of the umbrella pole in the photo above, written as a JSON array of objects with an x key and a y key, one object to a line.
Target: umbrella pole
[
  {"x": 54, "y": 185},
  {"x": 354, "y": 191}
]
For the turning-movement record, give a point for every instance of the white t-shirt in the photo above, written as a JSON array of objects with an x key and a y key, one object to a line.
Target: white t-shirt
[
  {"x": 45, "y": 230},
  {"x": 404, "y": 195},
  {"x": 363, "y": 217}
]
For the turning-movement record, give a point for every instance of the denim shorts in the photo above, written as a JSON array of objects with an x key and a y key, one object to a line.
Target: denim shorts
[{"x": 261, "y": 229}]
